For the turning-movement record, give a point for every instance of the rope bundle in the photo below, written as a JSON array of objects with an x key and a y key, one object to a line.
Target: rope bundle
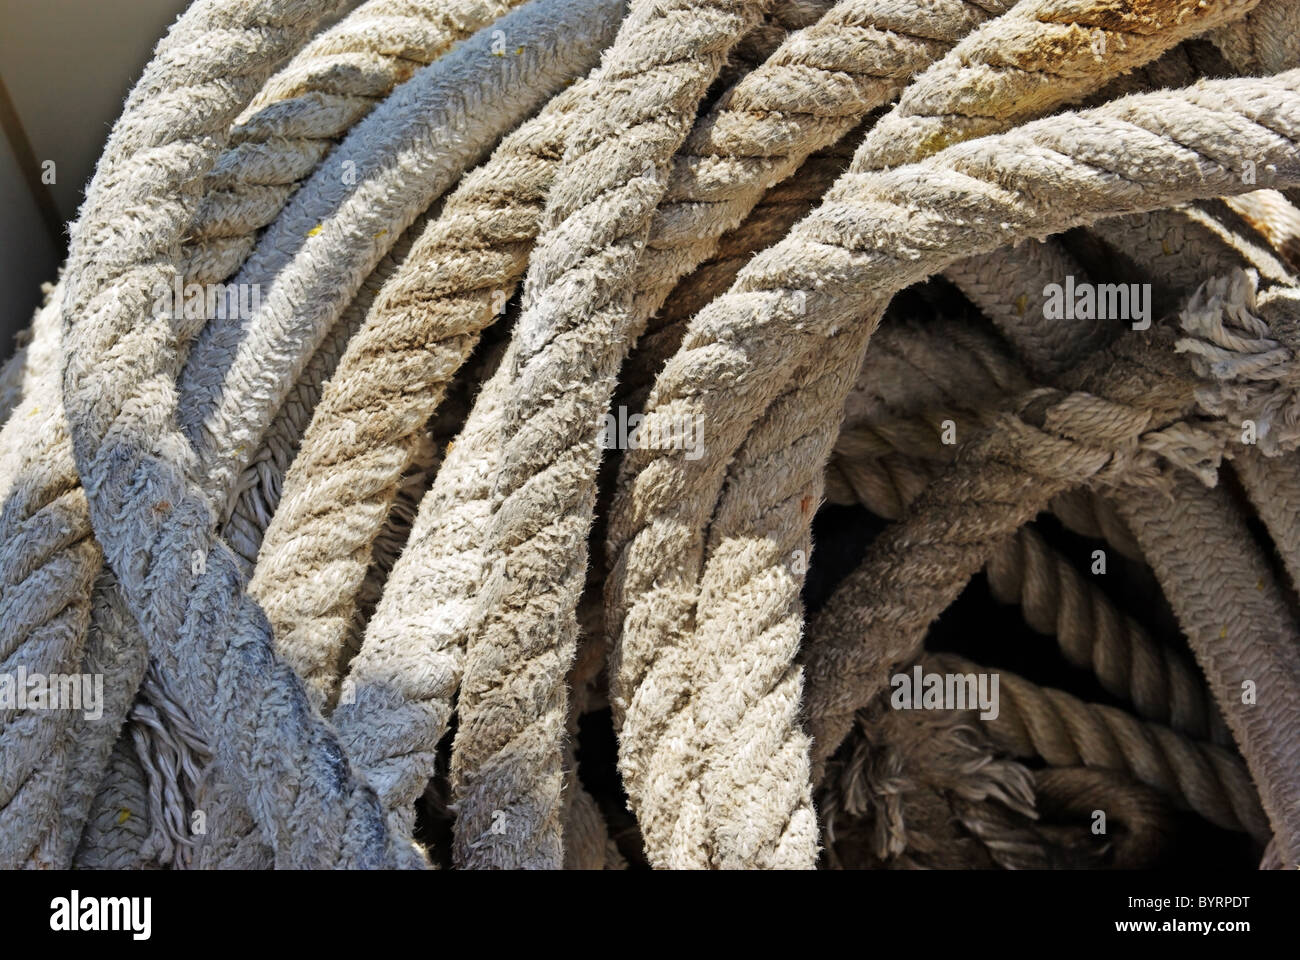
[{"x": 649, "y": 265}]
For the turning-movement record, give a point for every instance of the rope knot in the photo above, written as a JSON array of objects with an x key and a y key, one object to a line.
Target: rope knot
[{"x": 1082, "y": 436}]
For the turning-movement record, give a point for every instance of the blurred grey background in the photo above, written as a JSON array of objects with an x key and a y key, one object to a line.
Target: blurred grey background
[{"x": 65, "y": 66}]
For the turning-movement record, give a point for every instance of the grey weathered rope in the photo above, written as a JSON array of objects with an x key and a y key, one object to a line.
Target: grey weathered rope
[
  {"x": 118, "y": 823},
  {"x": 1066, "y": 732},
  {"x": 305, "y": 109},
  {"x": 659, "y": 513},
  {"x": 1273, "y": 486},
  {"x": 48, "y": 561},
  {"x": 117, "y": 652},
  {"x": 1240, "y": 630},
  {"x": 121, "y": 413},
  {"x": 123, "y": 648}
]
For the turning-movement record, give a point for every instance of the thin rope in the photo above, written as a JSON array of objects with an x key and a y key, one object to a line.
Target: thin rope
[{"x": 1066, "y": 732}]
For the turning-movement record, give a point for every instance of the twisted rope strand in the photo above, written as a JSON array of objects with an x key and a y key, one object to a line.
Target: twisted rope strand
[
  {"x": 577, "y": 325},
  {"x": 1007, "y": 93},
  {"x": 1066, "y": 732},
  {"x": 1041, "y": 54},
  {"x": 740, "y": 348},
  {"x": 400, "y": 694}
]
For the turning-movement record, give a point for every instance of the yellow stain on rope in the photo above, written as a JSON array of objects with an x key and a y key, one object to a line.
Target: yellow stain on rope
[
  {"x": 315, "y": 230},
  {"x": 123, "y": 816}
]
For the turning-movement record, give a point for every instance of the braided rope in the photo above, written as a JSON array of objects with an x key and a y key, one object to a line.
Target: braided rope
[
  {"x": 1223, "y": 596},
  {"x": 1273, "y": 486},
  {"x": 1266, "y": 40},
  {"x": 258, "y": 492},
  {"x": 1009, "y": 288},
  {"x": 117, "y": 826},
  {"x": 333, "y": 233},
  {"x": 305, "y": 109}
]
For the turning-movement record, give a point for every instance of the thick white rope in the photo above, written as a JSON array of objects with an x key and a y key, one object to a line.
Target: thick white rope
[{"x": 875, "y": 233}]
